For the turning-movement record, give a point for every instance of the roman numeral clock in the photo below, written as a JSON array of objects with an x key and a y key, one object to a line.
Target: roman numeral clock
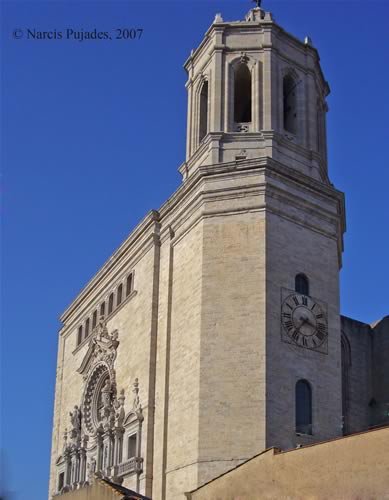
[{"x": 304, "y": 321}]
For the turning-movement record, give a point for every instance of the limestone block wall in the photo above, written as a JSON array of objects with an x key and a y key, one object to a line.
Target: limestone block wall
[
  {"x": 292, "y": 248},
  {"x": 184, "y": 362},
  {"x": 209, "y": 365},
  {"x": 304, "y": 225},
  {"x": 232, "y": 348}
]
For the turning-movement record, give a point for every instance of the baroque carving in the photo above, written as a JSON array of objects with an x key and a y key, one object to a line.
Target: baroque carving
[
  {"x": 136, "y": 412},
  {"x": 75, "y": 420},
  {"x": 91, "y": 469},
  {"x": 136, "y": 406},
  {"x": 244, "y": 58},
  {"x": 102, "y": 348},
  {"x": 93, "y": 442},
  {"x": 242, "y": 127}
]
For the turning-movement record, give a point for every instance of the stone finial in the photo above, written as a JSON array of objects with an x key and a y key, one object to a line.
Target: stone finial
[
  {"x": 136, "y": 406},
  {"x": 255, "y": 15},
  {"x": 308, "y": 41},
  {"x": 258, "y": 14},
  {"x": 135, "y": 390},
  {"x": 218, "y": 18}
]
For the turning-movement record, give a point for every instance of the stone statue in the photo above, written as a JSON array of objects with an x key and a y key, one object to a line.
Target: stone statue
[
  {"x": 75, "y": 419},
  {"x": 106, "y": 394},
  {"x": 119, "y": 406},
  {"x": 135, "y": 390}
]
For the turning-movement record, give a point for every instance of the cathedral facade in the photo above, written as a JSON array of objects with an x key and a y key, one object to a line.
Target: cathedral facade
[{"x": 214, "y": 331}]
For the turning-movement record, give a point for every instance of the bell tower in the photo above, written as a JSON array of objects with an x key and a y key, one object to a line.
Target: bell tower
[
  {"x": 269, "y": 340},
  {"x": 255, "y": 91}
]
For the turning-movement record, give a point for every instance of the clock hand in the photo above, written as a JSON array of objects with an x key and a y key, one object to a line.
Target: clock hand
[
  {"x": 310, "y": 323},
  {"x": 303, "y": 321}
]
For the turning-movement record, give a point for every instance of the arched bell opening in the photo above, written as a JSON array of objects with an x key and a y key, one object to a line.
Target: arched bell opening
[
  {"x": 289, "y": 99},
  {"x": 203, "y": 122},
  {"x": 242, "y": 94}
]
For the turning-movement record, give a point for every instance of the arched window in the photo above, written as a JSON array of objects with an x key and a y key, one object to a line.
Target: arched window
[
  {"x": 129, "y": 285},
  {"x": 242, "y": 94},
  {"x": 301, "y": 284},
  {"x": 203, "y": 111},
  {"x": 119, "y": 295},
  {"x": 303, "y": 407},
  {"x": 79, "y": 335},
  {"x": 86, "y": 328},
  {"x": 102, "y": 309},
  {"x": 110, "y": 303},
  {"x": 94, "y": 320},
  {"x": 290, "y": 104}
]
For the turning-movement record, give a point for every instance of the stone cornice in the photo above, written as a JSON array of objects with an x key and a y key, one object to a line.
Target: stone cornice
[
  {"x": 267, "y": 24},
  {"x": 136, "y": 240},
  {"x": 330, "y": 197},
  {"x": 253, "y": 166}
]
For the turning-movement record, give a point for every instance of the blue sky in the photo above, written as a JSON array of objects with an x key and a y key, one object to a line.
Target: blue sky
[{"x": 92, "y": 139}]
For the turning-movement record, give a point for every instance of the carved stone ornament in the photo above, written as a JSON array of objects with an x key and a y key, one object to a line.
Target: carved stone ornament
[
  {"x": 136, "y": 406},
  {"x": 242, "y": 127},
  {"x": 244, "y": 58},
  {"x": 102, "y": 347},
  {"x": 93, "y": 442},
  {"x": 75, "y": 421},
  {"x": 136, "y": 412},
  {"x": 218, "y": 18}
]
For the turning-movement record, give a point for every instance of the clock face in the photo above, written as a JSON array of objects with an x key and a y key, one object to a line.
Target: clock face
[{"x": 304, "y": 321}]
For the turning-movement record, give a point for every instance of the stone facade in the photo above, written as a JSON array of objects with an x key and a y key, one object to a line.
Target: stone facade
[{"x": 192, "y": 369}]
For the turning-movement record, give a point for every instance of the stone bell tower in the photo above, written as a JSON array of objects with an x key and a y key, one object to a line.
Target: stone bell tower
[
  {"x": 272, "y": 240},
  {"x": 255, "y": 91}
]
